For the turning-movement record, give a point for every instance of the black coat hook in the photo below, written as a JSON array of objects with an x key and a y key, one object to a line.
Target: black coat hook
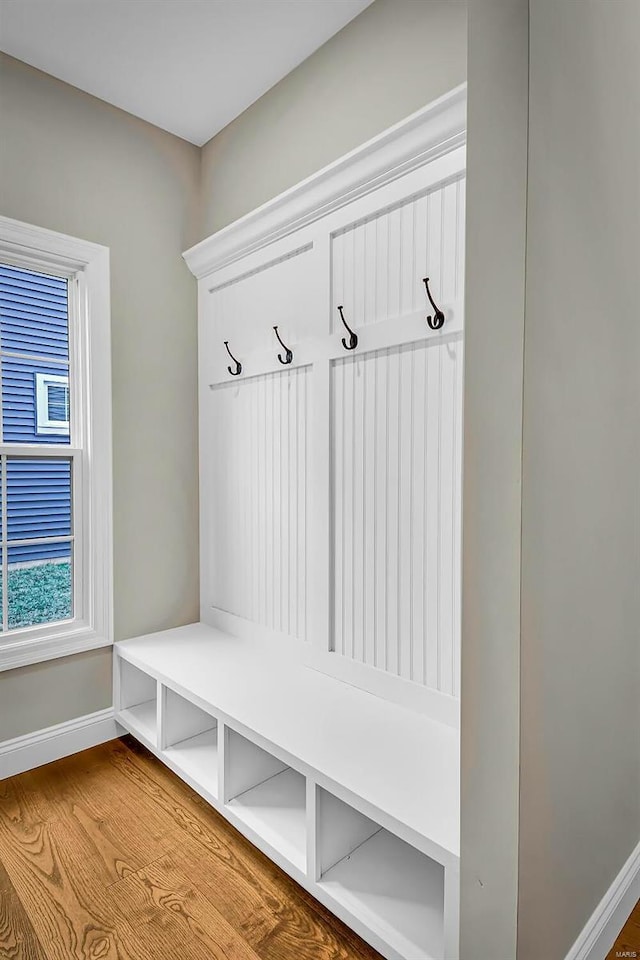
[
  {"x": 437, "y": 320},
  {"x": 288, "y": 357},
  {"x": 238, "y": 369},
  {"x": 353, "y": 337}
]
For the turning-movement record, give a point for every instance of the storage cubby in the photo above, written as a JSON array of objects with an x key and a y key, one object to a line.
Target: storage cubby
[
  {"x": 267, "y": 795},
  {"x": 386, "y": 884},
  {"x": 138, "y": 701},
  {"x": 191, "y": 741}
]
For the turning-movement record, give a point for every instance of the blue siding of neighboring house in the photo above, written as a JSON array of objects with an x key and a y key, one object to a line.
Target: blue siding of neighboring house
[{"x": 33, "y": 322}]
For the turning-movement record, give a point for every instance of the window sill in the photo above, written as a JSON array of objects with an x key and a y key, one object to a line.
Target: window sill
[{"x": 77, "y": 639}]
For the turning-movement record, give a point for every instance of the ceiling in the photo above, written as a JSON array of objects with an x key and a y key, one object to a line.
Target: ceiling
[{"x": 187, "y": 66}]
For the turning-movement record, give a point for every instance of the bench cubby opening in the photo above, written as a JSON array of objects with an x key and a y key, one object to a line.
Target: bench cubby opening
[
  {"x": 190, "y": 737},
  {"x": 382, "y": 881},
  {"x": 267, "y": 795},
  {"x": 138, "y": 701}
]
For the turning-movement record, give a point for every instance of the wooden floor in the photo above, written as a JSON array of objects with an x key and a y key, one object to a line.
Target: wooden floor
[{"x": 108, "y": 856}]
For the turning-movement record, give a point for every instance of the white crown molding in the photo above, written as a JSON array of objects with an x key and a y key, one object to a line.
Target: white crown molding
[
  {"x": 70, "y": 253},
  {"x": 61, "y": 740},
  {"x": 431, "y": 132},
  {"x": 607, "y": 920}
]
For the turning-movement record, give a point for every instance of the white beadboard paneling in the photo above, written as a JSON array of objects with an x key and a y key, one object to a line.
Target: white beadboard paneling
[
  {"x": 378, "y": 263},
  {"x": 257, "y": 496},
  {"x": 330, "y": 504},
  {"x": 244, "y": 309},
  {"x": 396, "y": 463}
]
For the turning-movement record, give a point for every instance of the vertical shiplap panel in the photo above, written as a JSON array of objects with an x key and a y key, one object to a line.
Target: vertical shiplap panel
[
  {"x": 381, "y": 404},
  {"x": 278, "y": 494},
  {"x": 378, "y": 264},
  {"x": 418, "y": 506},
  {"x": 358, "y": 527},
  {"x": 369, "y": 508},
  {"x": 258, "y": 499},
  {"x": 358, "y": 276},
  {"x": 370, "y": 309},
  {"x": 457, "y": 533},
  {"x": 396, "y": 459},
  {"x": 269, "y": 486},
  {"x": 236, "y": 452},
  {"x": 347, "y": 480},
  {"x": 285, "y": 596},
  {"x": 432, "y": 526},
  {"x": 264, "y": 497},
  {"x": 460, "y": 246},
  {"x": 420, "y": 240},
  {"x": 338, "y": 491},
  {"x": 302, "y": 413},
  {"x": 407, "y": 257},
  {"x": 337, "y": 279},
  {"x": 449, "y": 237},
  {"x": 392, "y": 507},
  {"x": 435, "y": 230},
  {"x": 393, "y": 262},
  {"x": 255, "y": 500},
  {"x": 382, "y": 279},
  {"x": 406, "y": 358},
  {"x": 291, "y": 612},
  {"x": 348, "y": 257},
  {"x": 446, "y": 519}
]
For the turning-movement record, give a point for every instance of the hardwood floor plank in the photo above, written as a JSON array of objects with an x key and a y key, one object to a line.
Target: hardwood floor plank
[
  {"x": 161, "y": 886},
  {"x": 18, "y": 940},
  {"x": 63, "y": 912},
  {"x": 103, "y": 825}
]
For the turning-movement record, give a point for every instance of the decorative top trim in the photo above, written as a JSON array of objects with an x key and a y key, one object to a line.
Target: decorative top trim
[
  {"x": 70, "y": 254},
  {"x": 433, "y": 131}
]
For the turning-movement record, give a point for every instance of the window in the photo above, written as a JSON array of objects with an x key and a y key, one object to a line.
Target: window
[
  {"x": 55, "y": 450},
  {"x": 52, "y": 403}
]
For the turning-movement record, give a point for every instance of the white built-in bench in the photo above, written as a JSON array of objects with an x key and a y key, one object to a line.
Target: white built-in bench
[{"x": 355, "y": 797}]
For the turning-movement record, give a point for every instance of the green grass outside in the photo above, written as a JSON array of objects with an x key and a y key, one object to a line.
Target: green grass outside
[{"x": 40, "y": 594}]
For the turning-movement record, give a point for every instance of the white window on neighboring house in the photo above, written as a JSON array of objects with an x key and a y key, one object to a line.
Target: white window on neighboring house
[
  {"x": 52, "y": 404},
  {"x": 55, "y": 446}
]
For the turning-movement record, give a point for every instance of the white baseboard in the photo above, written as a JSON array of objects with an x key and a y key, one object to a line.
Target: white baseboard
[
  {"x": 53, "y": 743},
  {"x": 609, "y": 917}
]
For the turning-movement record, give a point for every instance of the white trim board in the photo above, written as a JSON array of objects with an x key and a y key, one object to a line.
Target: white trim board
[
  {"x": 435, "y": 130},
  {"x": 607, "y": 920},
  {"x": 86, "y": 265},
  {"x": 61, "y": 740}
]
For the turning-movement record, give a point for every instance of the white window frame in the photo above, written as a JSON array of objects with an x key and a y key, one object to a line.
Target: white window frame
[
  {"x": 86, "y": 266},
  {"x": 44, "y": 424}
]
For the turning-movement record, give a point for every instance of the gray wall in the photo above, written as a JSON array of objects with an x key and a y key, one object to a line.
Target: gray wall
[
  {"x": 74, "y": 164},
  {"x": 394, "y": 58},
  {"x": 494, "y": 340},
  {"x": 580, "y": 755}
]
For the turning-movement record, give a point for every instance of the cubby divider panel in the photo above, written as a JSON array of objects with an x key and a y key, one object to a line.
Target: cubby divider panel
[
  {"x": 191, "y": 740},
  {"x": 138, "y": 701},
  {"x": 268, "y": 796},
  {"x": 384, "y": 882}
]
